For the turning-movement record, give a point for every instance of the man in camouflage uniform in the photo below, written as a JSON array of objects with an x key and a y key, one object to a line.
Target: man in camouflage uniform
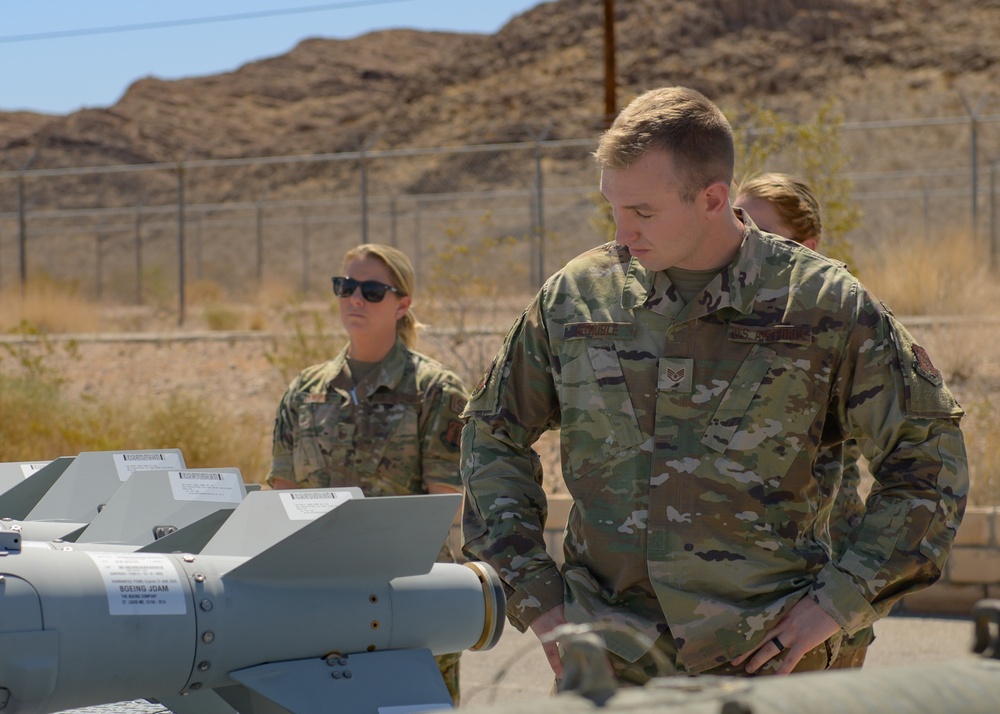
[
  {"x": 395, "y": 432},
  {"x": 694, "y": 368}
]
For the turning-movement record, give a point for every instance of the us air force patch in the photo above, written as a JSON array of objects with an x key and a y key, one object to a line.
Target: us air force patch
[{"x": 924, "y": 367}]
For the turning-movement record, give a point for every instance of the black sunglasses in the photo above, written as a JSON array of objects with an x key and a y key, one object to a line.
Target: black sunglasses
[{"x": 371, "y": 290}]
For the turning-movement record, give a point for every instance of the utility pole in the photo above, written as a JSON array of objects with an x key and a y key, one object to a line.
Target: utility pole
[{"x": 610, "y": 84}]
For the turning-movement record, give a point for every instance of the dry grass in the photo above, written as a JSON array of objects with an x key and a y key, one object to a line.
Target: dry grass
[
  {"x": 51, "y": 423},
  {"x": 919, "y": 275},
  {"x": 48, "y": 307}
]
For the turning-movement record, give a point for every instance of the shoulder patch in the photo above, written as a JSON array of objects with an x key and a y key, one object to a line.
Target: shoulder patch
[
  {"x": 924, "y": 393},
  {"x": 452, "y": 435},
  {"x": 924, "y": 367},
  {"x": 481, "y": 387}
]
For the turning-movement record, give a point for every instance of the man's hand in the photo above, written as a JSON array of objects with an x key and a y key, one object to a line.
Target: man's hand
[
  {"x": 544, "y": 624},
  {"x": 806, "y": 626}
]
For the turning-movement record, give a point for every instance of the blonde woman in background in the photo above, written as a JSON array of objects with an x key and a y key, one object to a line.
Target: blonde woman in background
[
  {"x": 785, "y": 206},
  {"x": 379, "y": 415}
]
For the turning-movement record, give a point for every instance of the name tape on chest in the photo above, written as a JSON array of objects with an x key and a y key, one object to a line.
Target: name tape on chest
[
  {"x": 598, "y": 330},
  {"x": 793, "y": 334}
]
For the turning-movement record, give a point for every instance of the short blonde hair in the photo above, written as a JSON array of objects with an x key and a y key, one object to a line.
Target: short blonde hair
[
  {"x": 682, "y": 123},
  {"x": 792, "y": 198},
  {"x": 403, "y": 277}
]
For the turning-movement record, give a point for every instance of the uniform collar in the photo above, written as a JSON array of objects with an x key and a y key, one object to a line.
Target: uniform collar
[
  {"x": 734, "y": 287},
  {"x": 388, "y": 374}
]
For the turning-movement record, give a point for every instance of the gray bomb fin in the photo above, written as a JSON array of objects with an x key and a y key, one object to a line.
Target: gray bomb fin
[
  {"x": 18, "y": 500},
  {"x": 153, "y": 504},
  {"x": 389, "y": 536},
  {"x": 92, "y": 479}
]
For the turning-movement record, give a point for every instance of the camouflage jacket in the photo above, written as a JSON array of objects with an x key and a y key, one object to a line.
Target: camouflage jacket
[
  {"x": 393, "y": 434},
  {"x": 847, "y": 508},
  {"x": 688, "y": 439}
]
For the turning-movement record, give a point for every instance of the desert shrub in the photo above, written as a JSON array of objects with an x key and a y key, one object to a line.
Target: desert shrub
[
  {"x": 204, "y": 292},
  {"x": 29, "y": 355},
  {"x": 207, "y": 437},
  {"x": 42, "y": 422},
  {"x": 309, "y": 340},
  {"x": 38, "y": 423},
  {"x": 766, "y": 141},
  {"x": 158, "y": 289},
  {"x": 470, "y": 284},
  {"x": 222, "y": 317}
]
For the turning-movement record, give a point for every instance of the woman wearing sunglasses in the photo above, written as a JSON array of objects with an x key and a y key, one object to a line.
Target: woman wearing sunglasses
[{"x": 379, "y": 415}]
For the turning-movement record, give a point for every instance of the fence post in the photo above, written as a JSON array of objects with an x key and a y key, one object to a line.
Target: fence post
[
  {"x": 538, "y": 219},
  {"x": 98, "y": 272},
  {"x": 610, "y": 78},
  {"x": 260, "y": 239},
  {"x": 22, "y": 226},
  {"x": 993, "y": 213},
  {"x": 180, "y": 242},
  {"x": 362, "y": 160},
  {"x": 364, "y": 197},
  {"x": 417, "y": 252},
  {"x": 138, "y": 252},
  {"x": 974, "y": 154},
  {"x": 305, "y": 254},
  {"x": 393, "y": 238},
  {"x": 927, "y": 212},
  {"x": 539, "y": 214},
  {"x": 197, "y": 246},
  {"x": 22, "y": 236}
]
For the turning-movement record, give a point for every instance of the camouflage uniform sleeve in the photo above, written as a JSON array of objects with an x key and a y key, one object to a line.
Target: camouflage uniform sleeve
[
  {"x": 848, "y": 508},
  {"x": 283, "y": 438},
  {"x": 890, "y": 397},
  {"x": 441, "y": 430},
  {"x": 505, "y": 505}
]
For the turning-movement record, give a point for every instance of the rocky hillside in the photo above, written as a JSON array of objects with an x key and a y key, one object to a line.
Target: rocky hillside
[{"x": 542, "y": 72}]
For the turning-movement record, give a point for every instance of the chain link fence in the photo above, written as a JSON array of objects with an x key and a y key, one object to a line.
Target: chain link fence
[{"x": 140, "y": 234}]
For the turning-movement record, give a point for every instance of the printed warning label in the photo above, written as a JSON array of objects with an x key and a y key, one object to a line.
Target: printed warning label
[
  {"x": 213, "y": 486},
  {"x": 307, "y": 505},
  {"x": 141, "y": 584},
  {"x": 128, "y": 463}
]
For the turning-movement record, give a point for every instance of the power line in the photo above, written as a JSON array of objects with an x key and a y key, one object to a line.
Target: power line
[{"x": 193, "y": 21}]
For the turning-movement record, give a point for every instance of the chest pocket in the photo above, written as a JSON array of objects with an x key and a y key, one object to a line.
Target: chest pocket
[
  {"x": 766, "y": 413},
  {"x": 317, "y": 430},
  {"x": 387, "y": 447},
  {"x": 374, "y": 445},
  {"x": 598, "y": 419}
]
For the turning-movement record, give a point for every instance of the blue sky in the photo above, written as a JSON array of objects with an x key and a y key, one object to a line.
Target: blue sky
[{"x": 94, "y": 58}]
